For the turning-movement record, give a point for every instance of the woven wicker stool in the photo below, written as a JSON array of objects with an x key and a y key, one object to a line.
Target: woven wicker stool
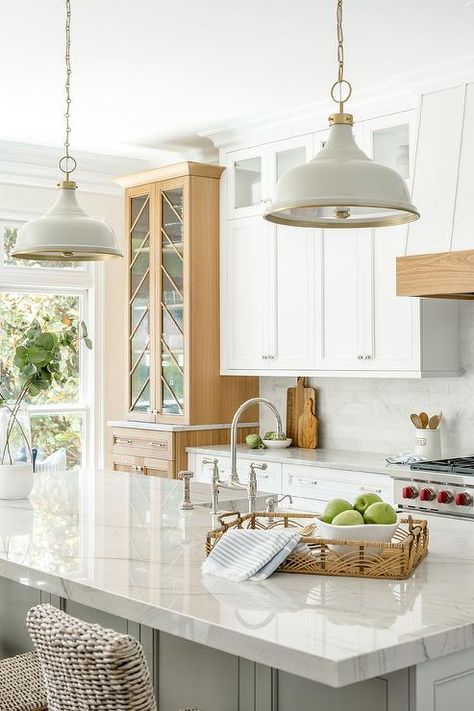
[
  {"x": 85, "y": 666},
  {"x": 21, "y": 684}
]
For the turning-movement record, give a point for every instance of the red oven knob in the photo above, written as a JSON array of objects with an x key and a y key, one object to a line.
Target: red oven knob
[
  {"x": 427, "y": 494},
  {"x": 445, "y": 496},
  {"x": 410, "y": 492},
  {"x": 463, "y": 499}
]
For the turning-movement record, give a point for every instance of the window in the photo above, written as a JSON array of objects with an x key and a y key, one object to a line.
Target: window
[{"x": 62, "y": 417}]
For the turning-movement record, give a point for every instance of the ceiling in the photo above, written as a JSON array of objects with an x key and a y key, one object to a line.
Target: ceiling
[{"x": 153, "y": 75}]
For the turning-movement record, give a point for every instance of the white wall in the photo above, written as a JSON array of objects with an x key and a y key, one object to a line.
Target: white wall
[{"x": 373, "y": 414}]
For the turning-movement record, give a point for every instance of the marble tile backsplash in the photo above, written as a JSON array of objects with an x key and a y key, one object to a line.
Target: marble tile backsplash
[{"x": 373, "y": 414}]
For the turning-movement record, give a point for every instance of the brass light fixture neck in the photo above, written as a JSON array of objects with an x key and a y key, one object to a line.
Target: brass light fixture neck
[
  {"x": 341, "y": 117},
  {"x": 67, "y": 184}
]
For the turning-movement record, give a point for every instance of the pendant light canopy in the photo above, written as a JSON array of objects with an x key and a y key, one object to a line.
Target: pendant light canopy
[
  {"x": 66, "y": 232},
  {"x": 341, "y": 187}
]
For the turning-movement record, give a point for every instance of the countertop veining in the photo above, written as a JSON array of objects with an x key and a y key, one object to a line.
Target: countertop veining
[{"x": 117, "y": 542}]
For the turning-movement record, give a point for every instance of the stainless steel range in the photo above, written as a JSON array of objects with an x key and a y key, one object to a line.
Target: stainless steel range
[{"x": 442, "y": 486}]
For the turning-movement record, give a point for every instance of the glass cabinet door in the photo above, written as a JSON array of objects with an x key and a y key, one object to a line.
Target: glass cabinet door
[
  {"x": 390, "y": 140},
  {"x": 172, "y": 302},
  {"x": 391, "y": 146},
  {"x": 245, "y": 171},
  {"x": 140, "y": 402}
]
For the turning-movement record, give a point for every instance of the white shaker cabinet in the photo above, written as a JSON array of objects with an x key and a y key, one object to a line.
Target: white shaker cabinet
[
  {"x": 323, "y": 303},
  {"x": 342, "y": 298},
  {"x": 269, "y": 297},
  {"x": 244, "y": 295}
]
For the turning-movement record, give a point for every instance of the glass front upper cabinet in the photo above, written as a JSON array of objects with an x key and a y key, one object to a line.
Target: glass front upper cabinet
[
  {"x": 252, "y": 173},
  {"x": 391, "y": 146},
  {"x": 389, "y": 140},
  {"x": 172, "y": 316},
  {"x": 139, "y": 306}
]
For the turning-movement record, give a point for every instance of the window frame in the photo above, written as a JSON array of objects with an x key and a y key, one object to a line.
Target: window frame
[{"x": 87, "y": 283}]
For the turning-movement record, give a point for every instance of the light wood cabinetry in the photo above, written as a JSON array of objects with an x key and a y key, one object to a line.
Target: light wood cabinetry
[
  {"x": 162, "y": 453},
  {"x": 173, "y": 299},
  {"x": 324, "y": 303}
]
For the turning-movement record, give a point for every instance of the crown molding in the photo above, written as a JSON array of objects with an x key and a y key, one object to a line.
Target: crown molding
[
  {"x": 37, "y": 166},
  {"x": 401, "y": 93}
]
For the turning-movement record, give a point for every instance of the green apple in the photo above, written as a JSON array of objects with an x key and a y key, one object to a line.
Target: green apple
[
  {"x": 333, "y": 508},
  {"x": 380, "y": 513},
  {"x": 348, "y": 518},
  {"x": 364, "y": 501}
]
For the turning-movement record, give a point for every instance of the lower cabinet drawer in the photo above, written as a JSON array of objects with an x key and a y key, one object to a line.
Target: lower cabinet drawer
[
  {"x": 143, "y": 443},
  {"x": 143, "y": 465},
  {"x": 158, "y": 467},
  {"x": 323, "y": 484}
]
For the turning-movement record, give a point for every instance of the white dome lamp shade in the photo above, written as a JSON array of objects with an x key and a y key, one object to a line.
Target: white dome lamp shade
[
  {"x": 341, "y": 186},
  {"x": 66, "y": 232}
]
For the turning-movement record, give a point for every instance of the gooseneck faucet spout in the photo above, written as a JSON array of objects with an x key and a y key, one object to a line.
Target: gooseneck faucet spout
[{"x": 234, "y": 477}]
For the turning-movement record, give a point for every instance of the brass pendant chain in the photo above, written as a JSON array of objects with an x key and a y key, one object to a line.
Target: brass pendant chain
[
  {"x": 341, "y": 82},
  {"x": 67, "y": 164}
]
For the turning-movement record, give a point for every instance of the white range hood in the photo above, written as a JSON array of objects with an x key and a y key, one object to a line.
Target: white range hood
[{"x": 439, "y": 260}]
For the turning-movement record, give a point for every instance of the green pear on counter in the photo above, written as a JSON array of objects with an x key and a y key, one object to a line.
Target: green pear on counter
[
  {"x": 364, "y": 501},
  {"x": 350, "y": 517},
  {"x": 333, "y": 508},
  {"x": 380, "y": 513}
]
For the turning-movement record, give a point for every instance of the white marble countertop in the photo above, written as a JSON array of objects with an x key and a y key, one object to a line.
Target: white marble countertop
[
  {"x": 117, "y": 542},
  {"x": 329, "y": 458},
  {"x": 159, "y": 427}
]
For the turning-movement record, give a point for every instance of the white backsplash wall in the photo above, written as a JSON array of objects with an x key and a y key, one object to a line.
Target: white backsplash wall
[{"x": 372, "y": 414}]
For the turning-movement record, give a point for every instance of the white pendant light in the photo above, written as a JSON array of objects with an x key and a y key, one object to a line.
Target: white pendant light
[
  {"x": 66, "y": 232},
  {"x": 341, "y": 186}
]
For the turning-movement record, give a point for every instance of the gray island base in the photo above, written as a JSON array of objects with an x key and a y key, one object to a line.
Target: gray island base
[{"x": 113, "y": 548}]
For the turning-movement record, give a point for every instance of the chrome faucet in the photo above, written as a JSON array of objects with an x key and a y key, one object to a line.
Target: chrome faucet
[
  {"x": 234, "y": 477},
  {"x": 217, "y": 484}
]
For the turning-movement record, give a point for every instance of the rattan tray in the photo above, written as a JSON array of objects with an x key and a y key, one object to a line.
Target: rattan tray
[{"x": 397, "y": 559}]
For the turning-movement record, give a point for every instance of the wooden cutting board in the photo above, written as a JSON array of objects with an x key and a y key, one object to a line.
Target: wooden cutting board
[
  {"x": 295, "y": 407},
  {"x": 308, "y": 427}
]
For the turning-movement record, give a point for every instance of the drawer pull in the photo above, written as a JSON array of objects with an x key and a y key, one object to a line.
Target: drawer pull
[
  {"x": 136, "y": 468},
  {"x": 157, "y": 444},
  {"x": 372, "y": 490},
  {"x": 305, "y": 482},
  {"x": 121, "y": 440}
]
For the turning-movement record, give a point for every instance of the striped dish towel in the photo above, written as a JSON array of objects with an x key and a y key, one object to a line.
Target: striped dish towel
[{"x": 246, "y": 554}]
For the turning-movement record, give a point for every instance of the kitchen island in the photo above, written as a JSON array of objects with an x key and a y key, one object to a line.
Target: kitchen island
[{"x": 113, "y": 548}]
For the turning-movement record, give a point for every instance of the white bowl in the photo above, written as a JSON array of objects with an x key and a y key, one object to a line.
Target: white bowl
[
  {"x": 364, "y": 532},
  {"x": 277, "y": 443}
]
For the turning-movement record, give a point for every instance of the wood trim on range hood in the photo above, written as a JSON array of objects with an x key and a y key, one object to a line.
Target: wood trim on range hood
[{"x": 442, "y": 275}]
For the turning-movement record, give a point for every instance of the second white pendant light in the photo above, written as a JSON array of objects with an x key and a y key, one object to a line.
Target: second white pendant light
[{"x": 341, "y": 187}]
